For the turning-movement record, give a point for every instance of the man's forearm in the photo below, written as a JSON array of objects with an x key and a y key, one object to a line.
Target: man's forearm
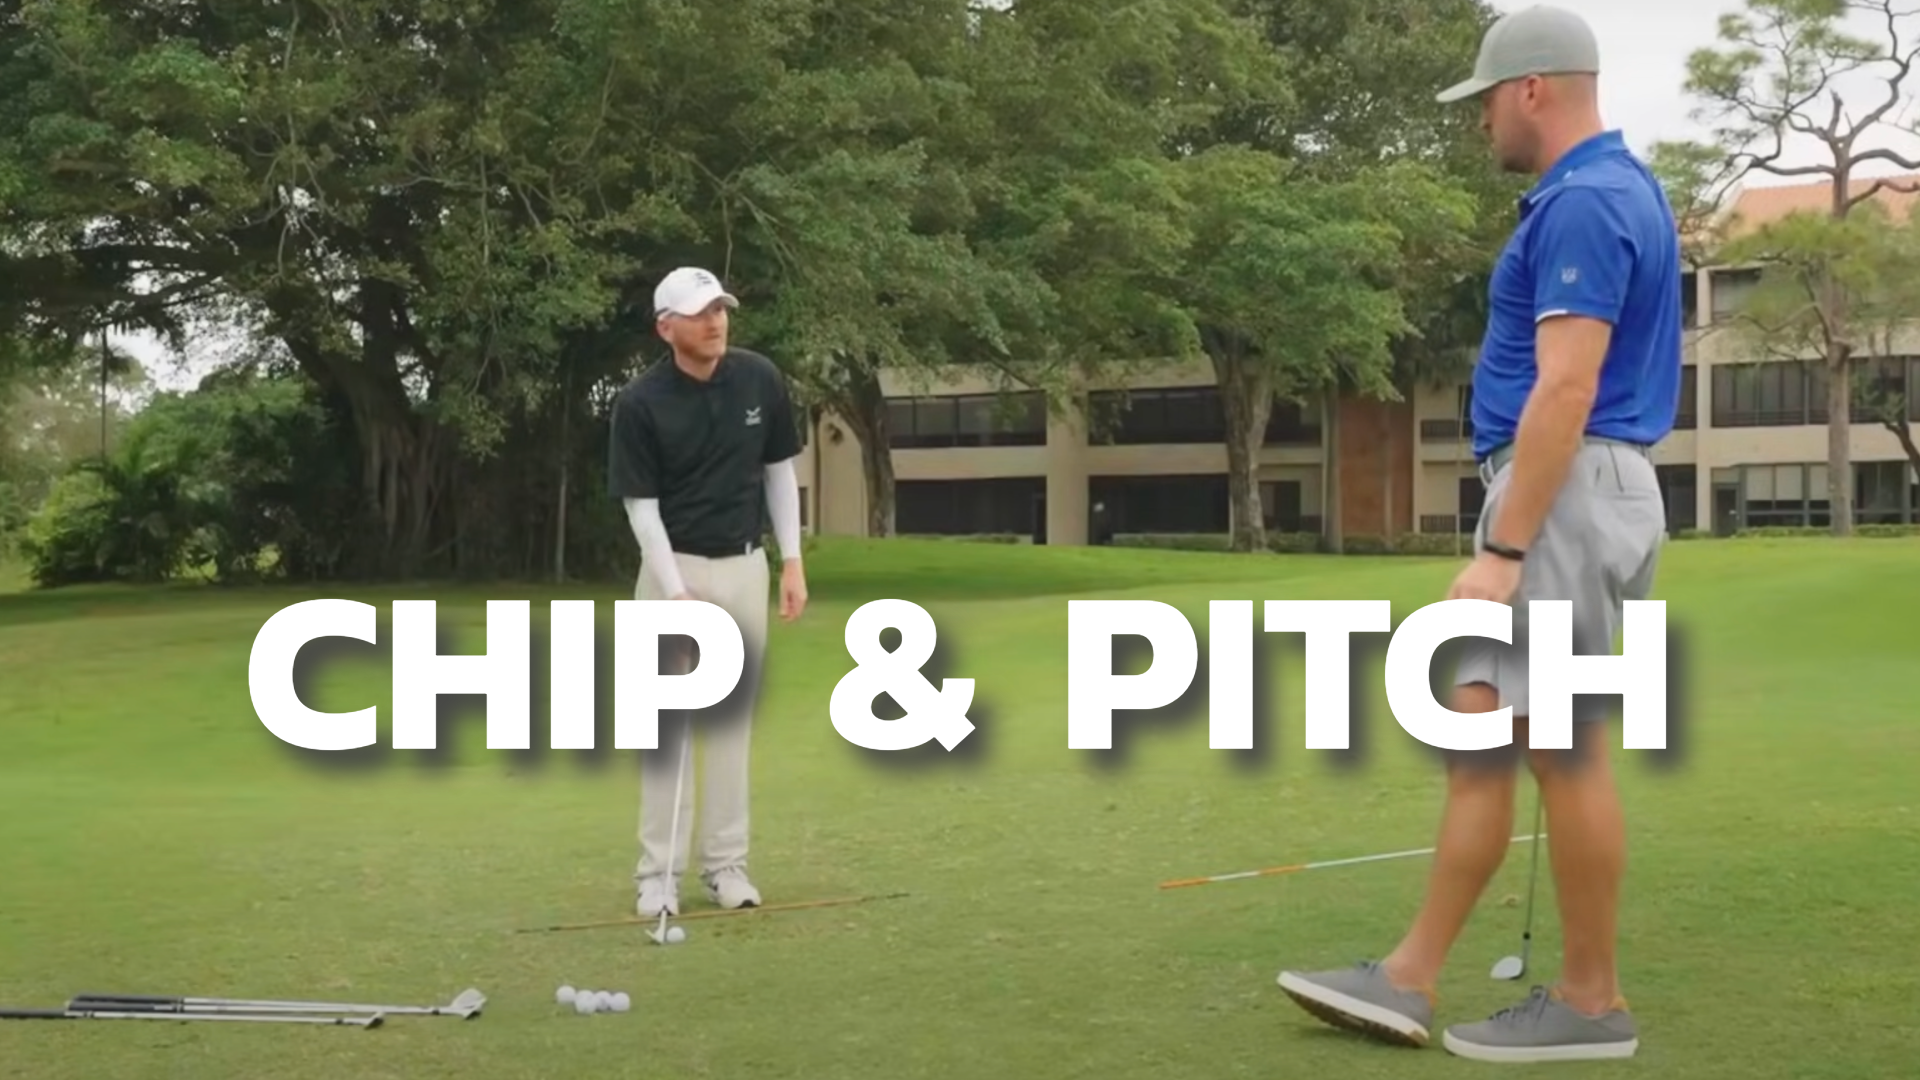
[
  {"x": 783, "y": 505},
  {"x": 1552, "y": 427}
]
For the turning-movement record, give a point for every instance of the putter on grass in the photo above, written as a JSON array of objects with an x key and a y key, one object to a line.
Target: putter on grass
[
  {"x": 1512, "y": 967},
  {"x": 1271, "y": 871},
  {"x": 109, "y": 1011},
  {"x": 465, "y": 1006}
]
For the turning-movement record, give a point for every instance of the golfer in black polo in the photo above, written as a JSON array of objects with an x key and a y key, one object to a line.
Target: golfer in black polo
[{"x": 702, "y": 456}]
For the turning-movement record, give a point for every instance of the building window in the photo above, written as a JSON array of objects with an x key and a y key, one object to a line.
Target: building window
[
  {"x": 1689, "y": 298},
  {"x": 1456, "y": 427},
  {"x": 1292, "y": 424},
  {"x": 1784, "y": 496},
  {"x": 1779, "y": 393},
  {"x": 1163, "y": 504},
  {"x": 967, "y": 507},
  {"x": 1281, "y": 510},
  {"x": 1731, "y": 291},
  {"x": 967, "y": 420},
  {"x": 1884, "y": 384},
  {"x": 1188, "y": 414},
  {"x": 1882, "y": 494},
  {"x": 1680, "y": 490},
  {"x": 1687, "y": 417}
]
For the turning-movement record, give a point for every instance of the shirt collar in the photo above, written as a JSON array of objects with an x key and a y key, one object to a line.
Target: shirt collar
[{"x": 1606, "y": 144}]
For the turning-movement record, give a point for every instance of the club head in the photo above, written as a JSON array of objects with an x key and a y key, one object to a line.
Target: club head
[
  {"x": 1509, "y": 968},
  {"x": 468, "y": 1004}
]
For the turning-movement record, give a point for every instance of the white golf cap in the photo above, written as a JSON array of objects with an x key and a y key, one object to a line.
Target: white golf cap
[{"x": 688, "y": 291}]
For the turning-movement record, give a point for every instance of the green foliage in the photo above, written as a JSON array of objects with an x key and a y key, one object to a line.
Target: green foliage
[{"x": 238, "y": 480}]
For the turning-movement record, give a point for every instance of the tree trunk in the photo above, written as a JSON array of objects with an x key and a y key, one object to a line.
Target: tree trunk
[
  {"x": 1246, "y": 399},
  {"x": 1839, "y": 437},
  {"x": 864, "y": 408},
  {"x": 1330, "y": 523}
]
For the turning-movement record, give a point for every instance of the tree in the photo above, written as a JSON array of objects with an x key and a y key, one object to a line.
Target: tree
[{"x": 1777, "y": 75}]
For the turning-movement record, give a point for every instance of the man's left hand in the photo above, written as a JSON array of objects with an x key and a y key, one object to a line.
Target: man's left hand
[
  {"x": 793, "y": 590},
  {"x": 1487, "y": 577}
]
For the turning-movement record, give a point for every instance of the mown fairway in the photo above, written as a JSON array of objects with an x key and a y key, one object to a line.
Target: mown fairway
[{"x": 154, "y": 837}]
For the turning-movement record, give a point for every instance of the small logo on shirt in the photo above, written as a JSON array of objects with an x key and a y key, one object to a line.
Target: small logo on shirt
[
  {"x": 1569, "y": 275},
  {"x": 753, "y": 416}
]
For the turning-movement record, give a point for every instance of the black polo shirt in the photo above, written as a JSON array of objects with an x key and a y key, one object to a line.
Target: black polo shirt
[{"x": 702, "y": 448}]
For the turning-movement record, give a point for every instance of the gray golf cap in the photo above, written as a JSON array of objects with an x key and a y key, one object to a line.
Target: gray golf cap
[{"x": 1532, "y": 41}]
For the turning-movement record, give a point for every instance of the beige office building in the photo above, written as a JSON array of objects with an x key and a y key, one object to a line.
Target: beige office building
[{"x": 1749, "y": 449}]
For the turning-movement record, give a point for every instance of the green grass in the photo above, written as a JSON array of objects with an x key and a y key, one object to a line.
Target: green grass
[{"x": 154, "y": 837}]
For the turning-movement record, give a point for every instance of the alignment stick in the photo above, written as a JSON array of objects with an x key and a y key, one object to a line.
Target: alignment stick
[
  {"x": 713, "y": 913},
  {"x": 1273, "y": 871}
]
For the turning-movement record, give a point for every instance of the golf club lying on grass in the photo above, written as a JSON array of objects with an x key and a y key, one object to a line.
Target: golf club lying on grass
[
  {"x": 467, "y": 1005},
  {"x": 1512, "y": 967},
  {"x": 107, "y": 1011},
  {"x": 1184, "y": 883},
  {"x": 714, "y": 913}
]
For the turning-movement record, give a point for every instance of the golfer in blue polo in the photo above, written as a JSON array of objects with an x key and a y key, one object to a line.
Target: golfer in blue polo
[{"x": 1577, "y": 379}]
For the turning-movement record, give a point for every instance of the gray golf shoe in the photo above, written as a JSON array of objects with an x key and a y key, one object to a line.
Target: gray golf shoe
[
  {"x": 1545, "y": 1028},
  {"x": 1360, "y": 998}
]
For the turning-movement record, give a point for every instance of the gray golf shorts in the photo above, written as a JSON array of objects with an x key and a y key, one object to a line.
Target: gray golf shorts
[{"x": 1598, "y": 548}]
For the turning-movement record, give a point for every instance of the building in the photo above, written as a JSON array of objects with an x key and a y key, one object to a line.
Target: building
[{"x": 1749, "y": 450}]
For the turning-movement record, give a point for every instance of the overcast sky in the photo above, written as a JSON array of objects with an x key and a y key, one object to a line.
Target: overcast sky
[{"x": 1644, "y": 45}]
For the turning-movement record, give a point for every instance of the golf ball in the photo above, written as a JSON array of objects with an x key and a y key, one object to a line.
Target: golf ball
[
  {"x": 563, "y": 996},
  {"x": 621, "y": 1002},
  {"x": 586, "y": 1003},
  {"x": 676, "y": 935}
]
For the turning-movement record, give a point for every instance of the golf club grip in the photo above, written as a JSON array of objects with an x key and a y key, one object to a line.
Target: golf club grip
[
  {"x": 34, "y": 1014},
  {"x": 129, "y": 999}
]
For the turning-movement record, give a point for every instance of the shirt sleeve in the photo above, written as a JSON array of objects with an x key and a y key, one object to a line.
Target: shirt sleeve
[
  {"x": 783, "y": 503},
  {"x": 783, "y": 433},
  {"x": 656, "y": 552},
  {"x": 1583, "y": 253},
  {"x": 633, "y": 463}
]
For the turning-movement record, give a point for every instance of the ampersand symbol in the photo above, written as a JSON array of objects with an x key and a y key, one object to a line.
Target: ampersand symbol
[{"x": 931, "y": 714}]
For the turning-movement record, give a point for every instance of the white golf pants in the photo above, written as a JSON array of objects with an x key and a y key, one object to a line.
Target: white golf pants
[{"x": 716, "y": 762}]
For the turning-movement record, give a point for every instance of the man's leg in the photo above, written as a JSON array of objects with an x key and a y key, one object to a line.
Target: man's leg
[
  {"x": 1393, "y": 999},
  {"x": 740, "y": 586},
  {"x": 663, "y": 772},
  {"x": 1615, "y": 497}
]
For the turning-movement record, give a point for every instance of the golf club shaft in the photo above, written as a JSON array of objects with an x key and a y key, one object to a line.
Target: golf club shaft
[
  {"x": 108, "y": 1012},
  {"x": 1295, "y": 868},
  {"x": 255, "y": 1005},
  {"x": 1533, "y": 875}
]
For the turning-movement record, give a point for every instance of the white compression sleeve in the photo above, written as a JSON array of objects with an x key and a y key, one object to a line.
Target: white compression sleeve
[
  {"x": 656, "y": 551},
  {"x": 783, "y": 503}
]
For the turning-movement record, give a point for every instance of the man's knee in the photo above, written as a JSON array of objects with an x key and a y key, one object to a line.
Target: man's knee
[
  {"x": 1476, "y": 768},
  {"x": 1587, "y": 757}
]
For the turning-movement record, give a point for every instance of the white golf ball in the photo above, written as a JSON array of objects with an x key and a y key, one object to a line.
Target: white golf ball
[
  {"x": 563, "y": 996},
  {"x": 621, "y": 1002},
  {"x": 586, "y": 1003},
  {"x": 676, "y": 935}
]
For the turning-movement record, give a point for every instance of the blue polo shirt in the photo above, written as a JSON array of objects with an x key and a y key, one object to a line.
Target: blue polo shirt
[{"x": 1597, "y": 238}]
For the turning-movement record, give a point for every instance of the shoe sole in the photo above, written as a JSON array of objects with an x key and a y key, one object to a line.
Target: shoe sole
[
  {"x": 1353, "y": 1014},
  {"x": 1601, "y": 1051}
]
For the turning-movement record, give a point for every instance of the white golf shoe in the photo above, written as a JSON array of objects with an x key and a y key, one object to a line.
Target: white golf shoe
[
  {"x": 730, "y": 888},
  {"x": 658, "y": 894}
]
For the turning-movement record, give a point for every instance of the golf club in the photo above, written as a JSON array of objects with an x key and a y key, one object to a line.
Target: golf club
[
  {"x": 658, "y": 935},
  {"x": 1184, "y": 883},
  {"x": 715, "y": 913},
  {"x": 106, "y": 1011},
  {"x": 467, "y": 1005},
  {"x": 1512, "y": 967}
]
